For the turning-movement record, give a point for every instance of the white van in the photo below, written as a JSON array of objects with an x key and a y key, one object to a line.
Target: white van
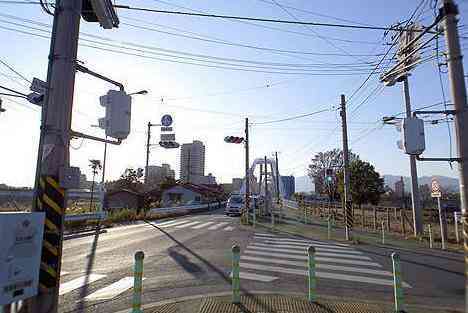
[{"x": 234, "y": 205}]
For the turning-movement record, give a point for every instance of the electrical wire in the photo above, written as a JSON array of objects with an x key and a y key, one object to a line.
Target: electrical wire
[
  {"x": 256, "y": 19},
  {"x": 14, "y": 71},
  {"x": 13, "y": 91},
  {"x": 291, "y": 118}
]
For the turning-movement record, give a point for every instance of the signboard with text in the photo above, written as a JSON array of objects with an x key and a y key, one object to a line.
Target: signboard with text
[{"x": 435, "y": 189}]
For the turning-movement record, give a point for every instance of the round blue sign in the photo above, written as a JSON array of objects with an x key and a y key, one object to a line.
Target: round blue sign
[{"x": 166, "y": 120}]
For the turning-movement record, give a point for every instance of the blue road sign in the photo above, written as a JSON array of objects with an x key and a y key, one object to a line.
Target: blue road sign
[{"x": 166, "y": 120}]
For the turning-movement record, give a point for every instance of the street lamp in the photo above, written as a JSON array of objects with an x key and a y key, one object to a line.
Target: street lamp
[{"x": 141, "y": 92}]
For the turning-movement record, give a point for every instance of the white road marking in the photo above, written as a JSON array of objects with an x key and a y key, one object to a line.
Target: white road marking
[
  {"x": 63, "y": 273},
  {"x": 79, "y": 282},
  {"x": 318, "y": 259},
  {"x": 173, "y": 223},
  {"x": 202, "y": 225},
  {"x": 305, "y": 245},
  {"x": 187, "y": 224},
  {"x": 303, "y": 252},
  {"x": 219, "y": 225},
  {"x": 258, "y": 277},
  {"x": 112, "y": 290},
  {"x": 361, "y": 279},
  {"x": 229, "y": 228},
  {"x": 319, "y": 265},
  {"x": 319, "y": 248},
  {"x": 308, "y": 242}
]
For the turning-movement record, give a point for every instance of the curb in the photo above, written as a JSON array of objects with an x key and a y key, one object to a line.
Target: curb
[{"x": 261, "y": 292}]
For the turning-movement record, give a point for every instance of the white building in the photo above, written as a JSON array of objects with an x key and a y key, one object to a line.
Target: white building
[
  {"x": 192, "y": 161},
  {"x": 157, "y": 174}
]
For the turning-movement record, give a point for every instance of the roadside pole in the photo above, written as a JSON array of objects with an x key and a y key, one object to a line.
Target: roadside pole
[
  {"x": 458, "y": 90},
  {"x": 415, "y": 200},
  {"x": 443, "y": 229},
  {"x": 247, "y": 171},
  {"x": 347, "y": 195},
  {"x": 55, "y": 140},
  {"x": 103, "y": 188},
  {"x": 148, "y": 140}
]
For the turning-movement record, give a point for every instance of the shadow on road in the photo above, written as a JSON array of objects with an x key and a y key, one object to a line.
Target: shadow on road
[
  {"x": 185, "y": 262},
  {"x": 265, "y": 307},
  {"x": 83, "y": 234}
]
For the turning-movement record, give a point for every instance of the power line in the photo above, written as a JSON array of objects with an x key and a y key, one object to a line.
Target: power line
[
  {"x": 291, "y": 118},
  {"x": 13, "y": 91},
  {"x": 14, "y": 71},
  {"x": 127, "y": 7}
]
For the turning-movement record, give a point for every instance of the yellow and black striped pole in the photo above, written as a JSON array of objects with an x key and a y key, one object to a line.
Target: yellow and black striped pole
[
  {"x": 398, "y": 289},
  {"x": 138, "y": 282},
  {"x": 51, "y": 200},
  {"x": 235, "y": 274}
]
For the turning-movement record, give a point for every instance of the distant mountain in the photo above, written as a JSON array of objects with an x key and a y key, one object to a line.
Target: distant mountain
[
  {"x": 304, "y": 184},
  {"x": 447, "y": 183}
]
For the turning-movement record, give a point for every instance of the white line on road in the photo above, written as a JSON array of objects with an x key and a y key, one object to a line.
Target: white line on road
[
  {"x": 318, "y": 248},
  {"x": 361, "y": 279},
  {"x": 258, "y": 277},
  {"x": 303, "y": 252},
  {"x": 187, "y": 224},
  {"x": 216, "y": 226},
  {"x": 314, "y": 244},
  {"x": 112, "y": 290},
  {"x": 202, "y": 225},
  {"x": 173, "y": 223},
  {"x": 318, "y": 259},
  {"x": 229, "y": 228},
  {"x": 79, "y": 282},
  {"x": 309, "y": 242},
  {"x": 319, "y": 265}
]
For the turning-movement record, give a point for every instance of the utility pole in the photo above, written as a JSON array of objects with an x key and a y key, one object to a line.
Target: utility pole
[
  {"x": 55, "y": 140},
  {"x": 277, "y": 178},
  {"x": 415, "y": 198},
  {"x": 103, "y": 188},
  {"x": 347, "y": 194},
  {"x": 403, "y": 201},
  {"x": 148, "y": 140},
  {"x": 247, "y": 171},
  {"x": 266, "y": 186}
]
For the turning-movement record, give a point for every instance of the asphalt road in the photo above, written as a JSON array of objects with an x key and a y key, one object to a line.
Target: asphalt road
[{"x": 191, "y": 255}]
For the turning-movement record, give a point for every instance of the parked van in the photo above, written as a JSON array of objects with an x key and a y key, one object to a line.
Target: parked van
[{"x": 234, "y": 205}]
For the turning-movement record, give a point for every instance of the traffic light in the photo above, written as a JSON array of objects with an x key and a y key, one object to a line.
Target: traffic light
[
  {"x": 329, "y": 174},
  {"x": 169, "y": 144},
  {"x": 233, "y": 139},
  {"x": 118, "y": 114}
]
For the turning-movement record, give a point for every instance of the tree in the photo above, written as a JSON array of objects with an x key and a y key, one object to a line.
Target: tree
[
  {"x": 366, "y": 185},
  {"x": 131, "y": 179},
  {"x": 95, "y": 167},
  {"x": 332, "y": 159}
]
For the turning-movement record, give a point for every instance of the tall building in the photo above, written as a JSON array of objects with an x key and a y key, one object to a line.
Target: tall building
[
  {"x": 289, "y": 185},
  {"x": 192, "y": 161},
  {"x": 399, "y": 187},
  {"x": 157, "y": 174}
]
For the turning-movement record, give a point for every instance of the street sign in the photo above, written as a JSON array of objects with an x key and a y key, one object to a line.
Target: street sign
[
  {"x": 168, "y": 137},
  {"x": 435, "y": 189},
  {"x": 166, "y": 120},
  {"x": 20, "y": 255},
  {"x": 38, "y": 86},
  {"x": 166, "y": 129}
]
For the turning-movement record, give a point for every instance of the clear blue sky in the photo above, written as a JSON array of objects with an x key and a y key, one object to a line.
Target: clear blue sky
[{"x": 209, "y": 103}]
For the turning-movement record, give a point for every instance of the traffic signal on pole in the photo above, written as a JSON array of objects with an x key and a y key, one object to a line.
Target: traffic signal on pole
[
  {"x": 233, "y": 139},
  {"x": 169, "y": 144},
  {"x": 329, "y": 174}
]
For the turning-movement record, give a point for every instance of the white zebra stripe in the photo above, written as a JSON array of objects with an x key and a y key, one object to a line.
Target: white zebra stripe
[
  {"x": 202, "y": 225},
  {"x": 187, "y": 225},
  {"x": 216, "y": 226},
  {"x": 318, "y": 248},
  {"x": 347, "y": 256},
  {"x": 78, "y": 283}
]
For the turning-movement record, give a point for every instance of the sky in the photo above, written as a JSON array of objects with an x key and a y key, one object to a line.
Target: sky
[{"x": 186, "y": 64}]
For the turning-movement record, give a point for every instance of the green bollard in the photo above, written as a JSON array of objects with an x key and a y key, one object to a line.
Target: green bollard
[
  {"x": 138, "y": 282},
  {"x": 329, "y": 227},
  {"x": 235, "y": 274},
  {"x": 383, "y": 232},
  {"x": 398, "y": 289},
  {"x": 312, "y": 278},
  {"x": 431, "y": 241}
]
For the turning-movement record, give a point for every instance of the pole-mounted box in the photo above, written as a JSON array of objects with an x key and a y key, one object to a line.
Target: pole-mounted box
[
  {"x": 413, "y": 140},
  {"x": 118, "y": 114}
]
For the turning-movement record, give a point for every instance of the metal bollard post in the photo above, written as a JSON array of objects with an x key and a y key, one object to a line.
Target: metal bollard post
[
  {"x": 138, "y": 282},
  {"x": 235, "y": 274},
  {"x": 312, "y": 278},
  {"x": 329, "y": 227},
  {"x": 398, "y": 289},
  {"x": 305, "y": 216},
  {"x": 431, "y": 242},
  {"x": 457, "y": 234},
  {"x": 383, "y": 232}
]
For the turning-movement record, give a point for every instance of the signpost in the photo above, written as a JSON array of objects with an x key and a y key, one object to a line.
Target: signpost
[
  {"x": 436, "y": 193},
  {"x": 166, "y": 120},
  {"x": 20, "y": 255}
]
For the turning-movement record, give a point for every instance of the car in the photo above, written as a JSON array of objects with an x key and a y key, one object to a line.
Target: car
[{"x": 234, "y": 205}]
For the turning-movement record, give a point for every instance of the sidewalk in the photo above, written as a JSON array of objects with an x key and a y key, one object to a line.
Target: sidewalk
[{"x": 274, "y": 303}]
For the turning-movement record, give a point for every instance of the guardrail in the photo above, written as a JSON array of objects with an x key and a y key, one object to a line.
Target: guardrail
[
  {"x": 188, "y": 207},
  {"x": 85, "y": 216}
]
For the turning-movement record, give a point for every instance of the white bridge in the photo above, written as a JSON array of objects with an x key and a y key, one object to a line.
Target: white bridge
[{"x": 266, "y": 171}]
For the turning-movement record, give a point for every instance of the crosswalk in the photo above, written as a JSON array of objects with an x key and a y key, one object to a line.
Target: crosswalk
[
  {"x": 194, "y": 224},
  {"x": 268, "y": 256}
]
